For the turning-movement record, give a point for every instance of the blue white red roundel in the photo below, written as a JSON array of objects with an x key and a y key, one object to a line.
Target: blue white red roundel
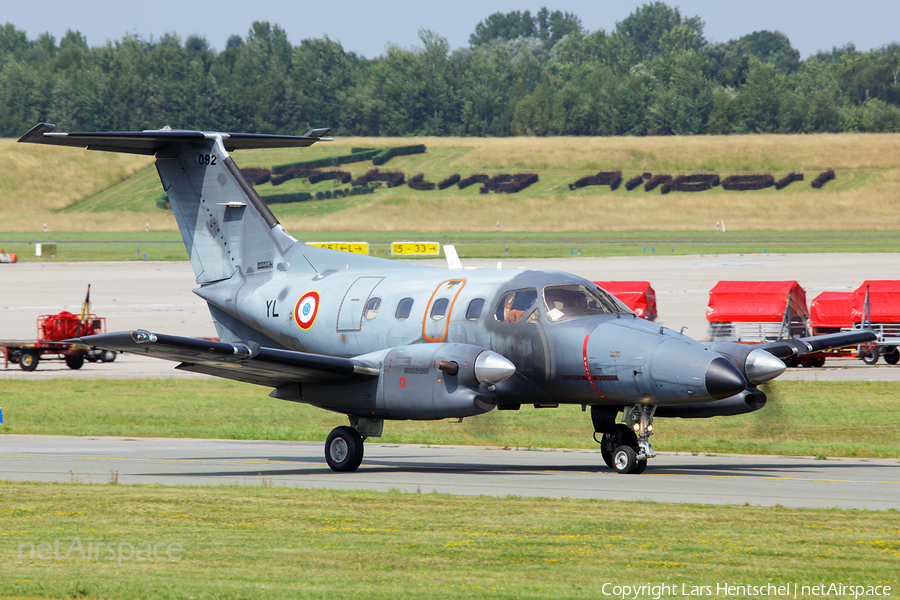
[{"x": 306, "y": 309}]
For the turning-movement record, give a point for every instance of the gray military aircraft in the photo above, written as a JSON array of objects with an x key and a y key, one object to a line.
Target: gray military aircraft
[{"x": 380, "y": 339}]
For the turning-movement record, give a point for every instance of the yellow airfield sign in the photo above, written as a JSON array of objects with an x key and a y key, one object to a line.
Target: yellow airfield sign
[
  {"x": 416, "y": 248},
  {"x": 352, "y": 247}
]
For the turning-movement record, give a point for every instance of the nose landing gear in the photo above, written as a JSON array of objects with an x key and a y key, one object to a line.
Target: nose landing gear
[{"x": 628, "y": 449}]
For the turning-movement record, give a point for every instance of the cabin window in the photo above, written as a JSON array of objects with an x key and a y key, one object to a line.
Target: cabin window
[
  {"x": 514, "y": 305},
  {"x": 473, "y": 312},
  {"x": 372, "y": 307},
  {"x": 569, "y": 301},
  {"x": 403, "y": 309},
  {"x": 439, "y": 308}
]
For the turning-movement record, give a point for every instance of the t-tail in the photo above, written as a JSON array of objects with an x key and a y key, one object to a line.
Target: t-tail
[{"x": 226, "y": 227}]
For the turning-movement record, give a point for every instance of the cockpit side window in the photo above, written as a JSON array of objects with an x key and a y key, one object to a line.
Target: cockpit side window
[
  {"x": 514, "y": 305},
  {"x": 575, "y": 300}
]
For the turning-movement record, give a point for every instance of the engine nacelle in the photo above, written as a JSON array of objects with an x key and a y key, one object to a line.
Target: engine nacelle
[
  {"x": 747, "y": 401},
  {"x": 757, "y": 365},
  {"x": 421, "y": 381}
]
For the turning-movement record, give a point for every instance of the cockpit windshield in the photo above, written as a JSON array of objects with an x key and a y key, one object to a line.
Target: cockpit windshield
[{"x": 575, "y": 300}]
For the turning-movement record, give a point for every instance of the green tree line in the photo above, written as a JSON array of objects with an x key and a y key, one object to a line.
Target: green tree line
[{"x": 522, "y": 74}]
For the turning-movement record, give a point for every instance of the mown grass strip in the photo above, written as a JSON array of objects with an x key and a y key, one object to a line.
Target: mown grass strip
[
  {"x": 802, "y": 418},
  {"x": 168, "y": 246},
  {"x": 249, "y": 542}
]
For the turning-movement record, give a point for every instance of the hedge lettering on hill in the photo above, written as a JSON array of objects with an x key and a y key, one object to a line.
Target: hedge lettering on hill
[
  {"x": 342, "y": 176},
  {"x": 786, "y": 181},
  {"x": 392, "y": 178},
  {"x": 472, "y": 180},
  {"x": 452, "y": 180},
  {"x": 611, "y": 178},
  {"x": 748, "y": 182},
  {"x": 654, "y": 181},
  {"x": 690, "y": 183},
  {"x": 823, "y": 178},
  {"x": 509, "y": 184},
  {"x": 256, "y": 176},
  {"x": 417, "y": 182},
  {"x": 634, "y": 182},
  {"x": 328, "y": 161},
  {"x": 385, "y": 155}
]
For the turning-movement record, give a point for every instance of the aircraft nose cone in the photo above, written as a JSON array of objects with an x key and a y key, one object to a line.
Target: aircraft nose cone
[
  {"x": 491, "y": 367},
  {"x": 723, "y": 379},
  {"x": 762, "y": 366}
]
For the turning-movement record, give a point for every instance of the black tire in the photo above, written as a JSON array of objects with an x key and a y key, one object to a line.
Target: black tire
[
  {"x": 606, "y": 445},
  {"x": 818, "y": 362},
  {"x": 344, "y": 449},
  {"x": 75, "y": 360},
  {"x": 870, "y": 356},
  {"x": 641, "y": 467},
  {"x": 108, "y": 356},
  {"x": 28, "y": 360},
  {"x": 892, "y": 356},
  {"x": 625, "y": 460}
]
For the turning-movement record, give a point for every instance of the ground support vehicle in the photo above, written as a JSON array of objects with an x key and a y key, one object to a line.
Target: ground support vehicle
[{"x": 52, "y": 331}]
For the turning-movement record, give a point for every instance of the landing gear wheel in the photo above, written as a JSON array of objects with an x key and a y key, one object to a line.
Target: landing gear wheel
[
  {"x": 610, "y": 441},
  {"x": 28, "y": 360},
  {"x": 344, "y": 449},
  {"x": 892, "y": 356},
  {"x": 605, "y": 452},
  {"x": 625, "y": 460},
  {"x": 108, "y": 356},
  {"x": 870, "y": 356},
  {"x": 641, "y": 467},
  {"x": 75, "y": 361}
]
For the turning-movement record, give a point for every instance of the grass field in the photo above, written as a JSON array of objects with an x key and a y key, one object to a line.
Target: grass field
[
  {"x": 168, "y": 246},
  {"x": 261, "y": 542},
  {"x": 120, "y": 194},
  {"x": 802, "y": 418}
]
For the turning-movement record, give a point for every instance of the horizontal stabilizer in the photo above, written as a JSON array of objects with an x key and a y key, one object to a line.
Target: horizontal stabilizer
[
  {"x": 241, "y": 361},
  {"x": 149, "y": 142},
  {"x": 799, "y": 346}
]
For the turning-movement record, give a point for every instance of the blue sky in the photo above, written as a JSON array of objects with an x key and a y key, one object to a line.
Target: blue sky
[{"x": 368, "y": 27}]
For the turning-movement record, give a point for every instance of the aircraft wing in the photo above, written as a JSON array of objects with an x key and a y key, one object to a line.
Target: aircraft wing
[
  {"x": 149, "y": 142},
  {"x": 788, "y": 348},
  {"x": 245, "y": 361}
]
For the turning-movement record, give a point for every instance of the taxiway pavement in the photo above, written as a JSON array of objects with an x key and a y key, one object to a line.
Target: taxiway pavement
[{"x": 705, "y": 479}]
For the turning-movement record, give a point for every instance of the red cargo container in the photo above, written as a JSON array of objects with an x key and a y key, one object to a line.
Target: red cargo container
[
  {"x": 636, "y": 295},
  {"x": 757, "y": 311}
]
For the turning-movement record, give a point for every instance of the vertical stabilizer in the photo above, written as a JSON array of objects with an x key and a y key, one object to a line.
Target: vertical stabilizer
[{"x": 225, "y": 226}]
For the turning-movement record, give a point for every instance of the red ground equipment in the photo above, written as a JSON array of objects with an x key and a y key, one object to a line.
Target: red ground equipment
[
  {"x": 876, "y": 307},
  {"x": 636, "y": 295},
  {"x": 831, "y": 312},
  {"x": 756, "y": 311},
  {"x": 52, "y": 330}
]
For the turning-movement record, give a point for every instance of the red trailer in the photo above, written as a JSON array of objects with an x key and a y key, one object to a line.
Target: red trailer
[
  {"x": 636, "y": 295},
  {"x": 876, "y": 307},
  {"x": 756, "y": 311},
  {"x": 831, "y": 312},
  {"x": 51, "y": 331}
]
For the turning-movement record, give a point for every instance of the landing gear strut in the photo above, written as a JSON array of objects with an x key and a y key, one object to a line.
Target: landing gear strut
[{"x": 628, "y": 449}]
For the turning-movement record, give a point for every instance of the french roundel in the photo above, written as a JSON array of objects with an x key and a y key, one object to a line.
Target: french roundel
[{"x": 306, "y": 309}]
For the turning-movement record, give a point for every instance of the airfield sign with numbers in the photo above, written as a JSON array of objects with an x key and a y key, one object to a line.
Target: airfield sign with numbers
[{"x": 416, "y": 248}]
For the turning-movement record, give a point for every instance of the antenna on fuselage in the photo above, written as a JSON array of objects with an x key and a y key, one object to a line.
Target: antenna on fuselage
[{"x": 318, "y": 275}]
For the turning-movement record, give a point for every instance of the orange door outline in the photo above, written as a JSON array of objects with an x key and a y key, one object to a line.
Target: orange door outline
[{"x": 442, "y": 287}]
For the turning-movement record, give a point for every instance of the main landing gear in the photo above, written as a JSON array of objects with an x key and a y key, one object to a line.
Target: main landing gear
[
  {"x": 625, "y": 447},
  {"x": 344, "y": 446}
]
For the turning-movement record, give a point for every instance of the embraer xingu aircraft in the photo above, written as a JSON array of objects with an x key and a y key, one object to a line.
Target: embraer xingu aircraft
[{"x": 380, "y": 339}]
